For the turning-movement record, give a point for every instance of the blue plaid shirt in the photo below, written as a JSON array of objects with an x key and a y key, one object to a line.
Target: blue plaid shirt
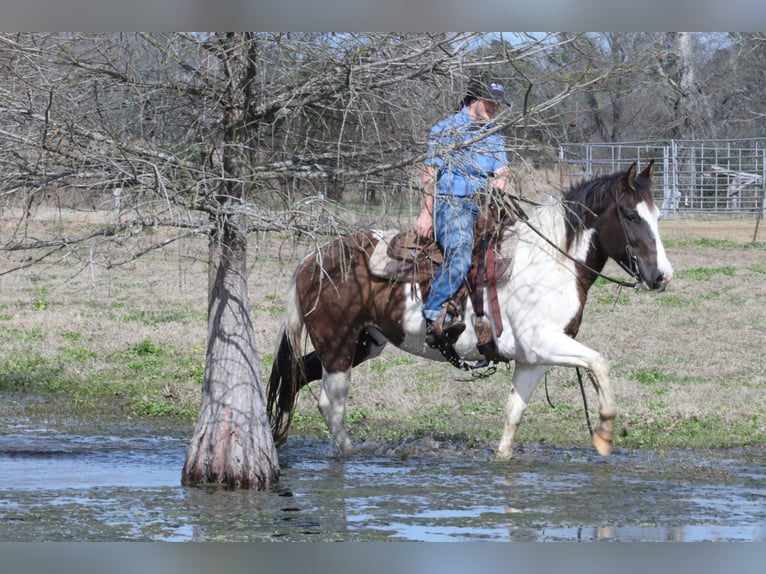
[{"x": 465, "y": 171}]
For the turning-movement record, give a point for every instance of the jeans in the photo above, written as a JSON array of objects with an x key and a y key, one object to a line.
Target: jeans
[{"x": 454, "y": 218}]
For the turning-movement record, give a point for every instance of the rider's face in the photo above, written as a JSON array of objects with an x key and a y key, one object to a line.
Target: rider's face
[{"x": 490, "y": 108}]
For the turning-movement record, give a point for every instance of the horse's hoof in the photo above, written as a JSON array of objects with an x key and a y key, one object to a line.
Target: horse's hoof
[
  {"x": 602, "y": 442},
  {"x": 503, "y": 456},
  {"x": 368, "y": 447}
]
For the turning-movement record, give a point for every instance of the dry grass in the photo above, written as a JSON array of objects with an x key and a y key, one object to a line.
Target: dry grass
[{"x": 693, "y": 353}]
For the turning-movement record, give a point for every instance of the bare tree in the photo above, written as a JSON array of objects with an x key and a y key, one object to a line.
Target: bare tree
[
  {"x": 733, "y": 81},
  {"x": 232, "y": 440},
  {"x": 691, "y": 112}
]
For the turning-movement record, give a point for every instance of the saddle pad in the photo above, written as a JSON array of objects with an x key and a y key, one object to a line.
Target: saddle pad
[
  {"x": 382, "y": 265},
  {"x": 406, "y": 245}
]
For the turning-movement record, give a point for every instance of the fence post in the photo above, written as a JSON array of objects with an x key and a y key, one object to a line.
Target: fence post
[
  {"x": 561, "y": 166},
  {"x": 667, "y": 200},
  {"x": 760, "y": 209},
  {"x": 117, "y": 196}
]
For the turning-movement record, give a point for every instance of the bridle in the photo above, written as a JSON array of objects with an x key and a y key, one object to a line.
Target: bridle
[
  {"x": 632, "y": 257},
  {"x": 632, "y": 269}
]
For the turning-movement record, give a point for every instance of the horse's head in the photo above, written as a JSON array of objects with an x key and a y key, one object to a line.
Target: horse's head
[{"x": 629, "y": 232}]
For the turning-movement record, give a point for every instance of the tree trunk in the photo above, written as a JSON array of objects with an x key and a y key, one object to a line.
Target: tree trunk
[
  {"x": 232, "y": 443},
  {"x": 684, "y": 127},
  {"x": 689, "y": 109}
]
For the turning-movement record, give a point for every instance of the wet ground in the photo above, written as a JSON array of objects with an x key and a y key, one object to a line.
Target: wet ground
[{"x": 72, "y": 480}]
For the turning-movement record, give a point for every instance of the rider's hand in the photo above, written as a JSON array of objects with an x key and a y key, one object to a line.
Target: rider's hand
[{"x": 424, "y": 224}]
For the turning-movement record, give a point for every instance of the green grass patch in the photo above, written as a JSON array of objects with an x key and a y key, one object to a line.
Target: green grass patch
[
  {"x": 705, "y": 273},
  {"x": 610, "y": 299},
  {"x": 480, "y": 408},
  {"x": 673, "y": 301},
  {"x": 309, "y": 423},
  {"x": 562, "y": 426},
  {"x": 40, "y": 302},
  {"x": 650, "y": 377},
  {"x": 706, "y": 242},
  {"x": 31, "y": 372},
  {"x": 276, "y": 307},
  {"x": 146, "y": 359},
  {"x": 267, "y": 361},
  {"x": 694, "y": 432},
  {"x": 11, "y": 335},
  {"x": 76, "y": 353},
  {"x": 132, "y": 382},
  {"x": 154, "y": 318},
  {"x": 380, "y": 365},
  {"x": 154, "y": 407},
  {"x": 148, "y": 348},
  {"x": 653, "y": 377}
]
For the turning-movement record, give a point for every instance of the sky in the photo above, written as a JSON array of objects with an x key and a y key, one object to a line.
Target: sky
[{"x": 380, "y": 15}]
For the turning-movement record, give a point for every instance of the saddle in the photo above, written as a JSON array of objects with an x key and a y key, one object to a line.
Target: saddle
[{"x": 403, "y": 256}]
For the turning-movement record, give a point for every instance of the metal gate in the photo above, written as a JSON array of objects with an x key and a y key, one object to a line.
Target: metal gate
[{"x": 692, "y": 177}]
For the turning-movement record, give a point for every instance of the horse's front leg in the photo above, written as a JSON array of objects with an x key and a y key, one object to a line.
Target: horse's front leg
[
  {"x": 561, "y": 350},
  {"x": 525, "y": 379},
  {"x": 332, "y": 405},
  {"x": 604, "y": 433}
]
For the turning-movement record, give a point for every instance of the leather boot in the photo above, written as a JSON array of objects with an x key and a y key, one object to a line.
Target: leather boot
[{"x": 437, "y": 334}]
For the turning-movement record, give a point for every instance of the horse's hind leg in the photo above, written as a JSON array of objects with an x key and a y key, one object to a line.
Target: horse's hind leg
[{"x": 332, "y": 405}]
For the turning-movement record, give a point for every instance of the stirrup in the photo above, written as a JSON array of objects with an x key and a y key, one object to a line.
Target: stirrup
[{"x": 449, "y": 353}]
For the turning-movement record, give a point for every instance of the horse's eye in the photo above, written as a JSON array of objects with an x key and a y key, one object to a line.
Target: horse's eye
[{"x": 632, "y": 217}]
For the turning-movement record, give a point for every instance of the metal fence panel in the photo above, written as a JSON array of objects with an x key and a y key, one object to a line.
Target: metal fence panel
[{"x": 692, "y": 176}]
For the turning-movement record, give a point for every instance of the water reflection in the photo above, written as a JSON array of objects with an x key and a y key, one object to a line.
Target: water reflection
[{"x": 124, "y": 484}]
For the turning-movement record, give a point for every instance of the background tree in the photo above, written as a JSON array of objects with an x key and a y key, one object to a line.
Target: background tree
[
  {"x": 733, "y": 79},
  {"x": 691, "y": 116}
]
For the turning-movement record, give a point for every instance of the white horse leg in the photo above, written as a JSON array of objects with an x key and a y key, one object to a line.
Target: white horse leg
[
  {"x": 525, "y": 379},
  {"x": 332, "y": 405},
  {"x": 561, "y": 350},
  {"x": 604, "y": 432}
]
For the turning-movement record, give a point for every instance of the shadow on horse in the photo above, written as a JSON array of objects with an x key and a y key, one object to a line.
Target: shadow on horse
[{"x": 555, "y": 253}]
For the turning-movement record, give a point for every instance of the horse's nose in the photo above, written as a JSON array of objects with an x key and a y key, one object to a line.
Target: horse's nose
[{"x": 660, "y": 281}]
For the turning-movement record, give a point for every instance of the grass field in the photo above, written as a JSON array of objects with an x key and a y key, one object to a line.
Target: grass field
[{"x": 687, "y": 365}]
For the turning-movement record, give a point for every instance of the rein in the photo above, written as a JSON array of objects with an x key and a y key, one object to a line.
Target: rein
[
  {"x": 634, "y": 273},
  {"x": 582, "y": 392}
]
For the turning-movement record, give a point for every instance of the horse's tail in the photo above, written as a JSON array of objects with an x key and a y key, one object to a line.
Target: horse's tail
[{"x": 289, "y": 372}]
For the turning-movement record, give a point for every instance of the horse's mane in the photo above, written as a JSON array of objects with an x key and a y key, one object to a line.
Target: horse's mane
[
  {"x": 586, "y": 198},
  {"x": 561, "y": 218},
  {"x": 592, "y": 196},
  {"x": 545, "y": 228}
]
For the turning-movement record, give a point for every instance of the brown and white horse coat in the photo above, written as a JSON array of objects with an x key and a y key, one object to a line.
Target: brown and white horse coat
[{"x": 350, "y": 314}]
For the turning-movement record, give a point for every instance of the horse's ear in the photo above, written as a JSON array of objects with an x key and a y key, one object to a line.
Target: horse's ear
[
  {"x": 648, "y": 171},
  {"x": 630, "y": 176}
]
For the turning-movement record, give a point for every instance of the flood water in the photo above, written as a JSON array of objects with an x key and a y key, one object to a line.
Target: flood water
[{"x": 77, "y": 481}]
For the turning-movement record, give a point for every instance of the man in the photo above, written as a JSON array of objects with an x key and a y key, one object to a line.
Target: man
[{"x": 462, "y": 163}]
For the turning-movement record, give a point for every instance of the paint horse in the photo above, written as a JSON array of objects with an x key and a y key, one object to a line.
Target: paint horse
[{"x": 558, "y": 250}]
